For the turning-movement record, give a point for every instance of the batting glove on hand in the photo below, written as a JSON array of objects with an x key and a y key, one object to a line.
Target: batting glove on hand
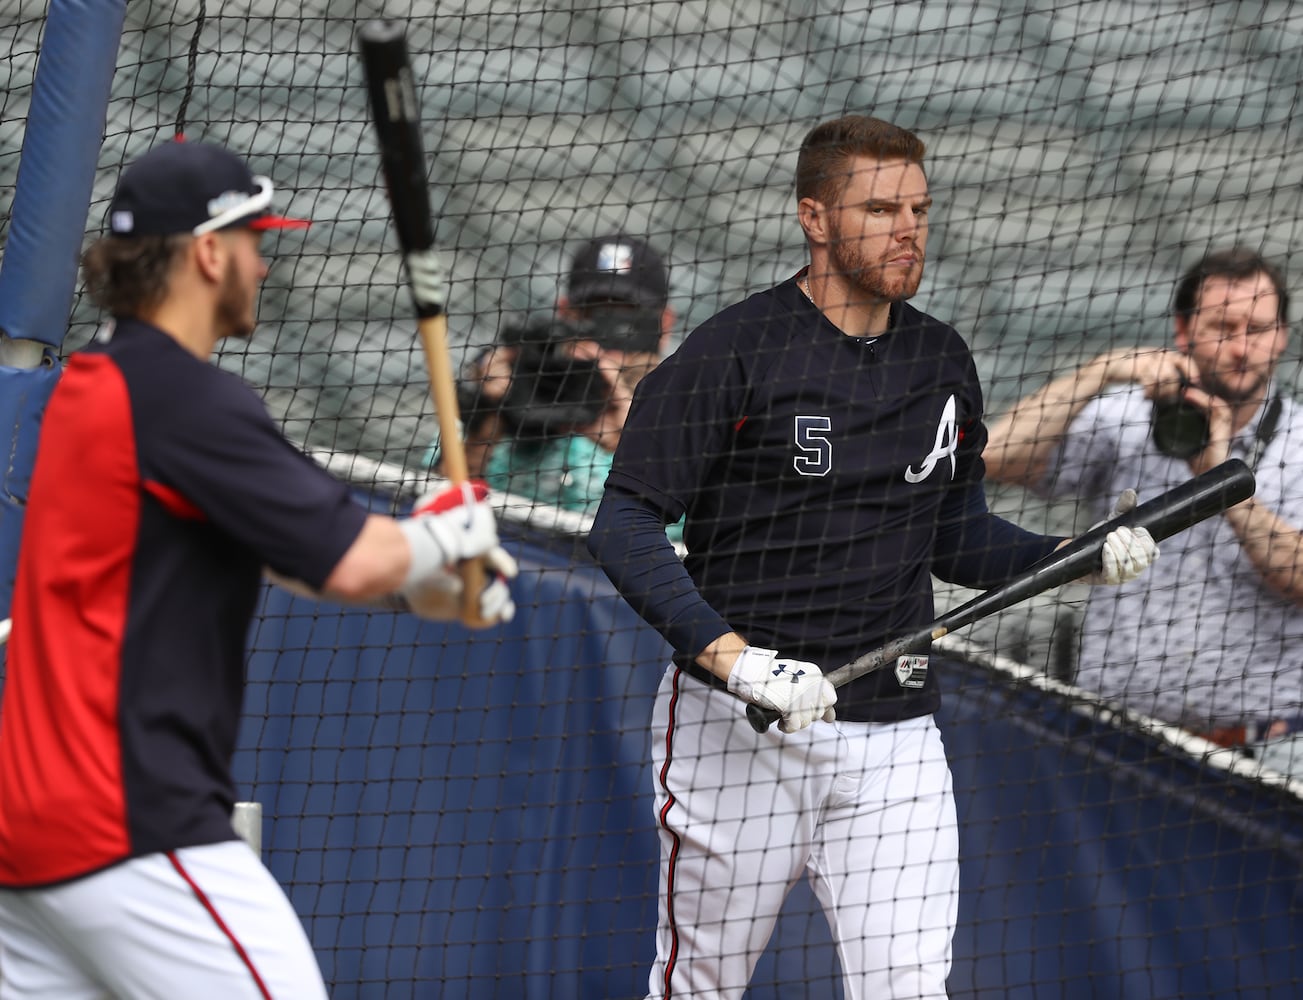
[
  {"x": 1127, "y": 552},
  {"x": 447, "y": 527},
  {"x": 439, "y": 597},
  {"x": 797, "y": 690}
]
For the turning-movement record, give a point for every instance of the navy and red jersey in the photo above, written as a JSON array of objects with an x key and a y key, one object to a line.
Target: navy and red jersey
[
  {"x": 824, "y": 479},
  {"x": 161, "y": 489}
]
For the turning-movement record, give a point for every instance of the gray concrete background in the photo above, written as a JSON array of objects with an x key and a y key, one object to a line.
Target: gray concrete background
[{"x": 1081, "y": 154}]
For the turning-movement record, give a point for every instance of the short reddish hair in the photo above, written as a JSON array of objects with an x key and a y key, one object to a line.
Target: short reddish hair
[{"x": 823, "y": 166}]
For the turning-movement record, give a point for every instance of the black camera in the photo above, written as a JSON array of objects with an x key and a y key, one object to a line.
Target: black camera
[
  {"x": 552, "y": 393},
  {"x": 623, "y": 328},
  {"x": 1180, "y": 429}
]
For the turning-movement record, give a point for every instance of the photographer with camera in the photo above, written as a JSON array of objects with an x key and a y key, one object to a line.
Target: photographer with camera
[
  {"x": 544, "y": 406},
  {"x": 559, "y": 418},
  {"x": 1211, "y": 638}
]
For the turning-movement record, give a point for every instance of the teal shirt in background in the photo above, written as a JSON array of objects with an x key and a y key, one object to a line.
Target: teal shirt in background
[{"x": 567, "y": 472}]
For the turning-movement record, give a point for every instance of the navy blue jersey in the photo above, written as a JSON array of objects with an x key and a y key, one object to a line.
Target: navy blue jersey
[
  {"x": 160, "y": 490},
  {"x": 824, "y": 478}
]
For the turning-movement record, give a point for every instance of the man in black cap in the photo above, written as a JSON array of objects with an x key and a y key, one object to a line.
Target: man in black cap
[
  {"x": 161, "y": 491},
  {"x": 622, "y": 279},
  {"x": 545, "y": 406},
  {"x": 619, "y": 291}
]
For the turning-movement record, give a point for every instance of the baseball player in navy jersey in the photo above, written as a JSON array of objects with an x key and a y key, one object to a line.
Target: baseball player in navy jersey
[
  {"x": 160, "y": 493},
  {"x": 824, "y": 440}
]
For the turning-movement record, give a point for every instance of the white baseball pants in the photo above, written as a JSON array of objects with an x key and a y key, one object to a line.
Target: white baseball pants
[
  {"x": 865, "y": 810},
  {"x": 203, "y": 923}
]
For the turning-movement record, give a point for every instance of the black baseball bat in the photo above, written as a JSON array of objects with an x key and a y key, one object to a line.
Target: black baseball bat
[
  {"x": 1202, "y": 497},
  {"x": 397, "y": 117}
]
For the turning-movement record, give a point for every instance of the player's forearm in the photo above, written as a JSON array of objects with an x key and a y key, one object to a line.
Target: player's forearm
[
  {"x": 720, "y": 655},
  {"x": 986, "y": 551},
  {"x": 1021, "y": 443},
  {"x": 628, "y": 539},
  {"x": 1273, "y": 546},
  {"x": 374, "y": 565},
  {"x": 378, "y": 602},
  {"x": 368, "y": 574}
]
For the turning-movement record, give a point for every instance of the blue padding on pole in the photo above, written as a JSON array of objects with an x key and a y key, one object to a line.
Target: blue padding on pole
[
  {"x": 56, "y": 172},
  {"x": 23, "y": 395}
]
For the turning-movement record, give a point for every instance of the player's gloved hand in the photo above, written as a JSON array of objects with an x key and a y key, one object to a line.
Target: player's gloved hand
[
  {"x": 447, "y": 527},
  {"x": 439, "y": 597},
  {"x": 1127, "y": 551},
  {"x": 795, "y": 689}
]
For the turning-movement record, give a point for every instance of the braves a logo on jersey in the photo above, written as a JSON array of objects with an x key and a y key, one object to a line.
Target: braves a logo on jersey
[{"x": 944, "y": 445}]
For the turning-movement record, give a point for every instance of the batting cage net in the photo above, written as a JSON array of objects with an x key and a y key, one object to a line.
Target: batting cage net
[{"x": 513, "y": 812}]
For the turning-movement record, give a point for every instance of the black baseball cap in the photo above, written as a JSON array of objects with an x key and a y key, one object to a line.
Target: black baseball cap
[
  {"x": 618, "y": 268},
  {"x": 192, "y": 187}
]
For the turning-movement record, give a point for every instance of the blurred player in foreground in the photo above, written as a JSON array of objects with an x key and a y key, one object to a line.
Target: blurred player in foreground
[
  {"x": 824, "y": 439},
  {"x": 1213, "y": 639},
  {"x": 161, "y": 491}
]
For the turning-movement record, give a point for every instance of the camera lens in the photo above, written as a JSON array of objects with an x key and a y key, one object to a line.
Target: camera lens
[
  {"x": 620, "y": 328},
  {"x": 1179, "y": 428},
  {"x": 552, "y": 393}
]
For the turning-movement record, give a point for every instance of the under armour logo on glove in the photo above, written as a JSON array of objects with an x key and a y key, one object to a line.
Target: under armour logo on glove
[{"x": 796, "y": 689}]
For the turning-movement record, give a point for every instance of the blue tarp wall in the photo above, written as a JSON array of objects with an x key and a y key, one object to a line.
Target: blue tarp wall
[{"x": 468, "y": 815}]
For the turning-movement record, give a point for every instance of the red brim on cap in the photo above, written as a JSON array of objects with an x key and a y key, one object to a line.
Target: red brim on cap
[{"x": 264, "y": 222}]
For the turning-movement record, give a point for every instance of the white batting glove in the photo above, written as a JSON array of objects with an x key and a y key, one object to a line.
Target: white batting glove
[
  {"x": 426, "y": 278},
  {"x": 446, "y": 528},
  {"x": 439, "y": 598},
  {"x": 797, "y": 690},
  {"x": 1127, "y": 552}
]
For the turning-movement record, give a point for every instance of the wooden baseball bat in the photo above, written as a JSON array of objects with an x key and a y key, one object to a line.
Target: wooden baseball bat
[
  {"x": 394, "y": 109},
  {"x": 1201, "y": 497}
]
